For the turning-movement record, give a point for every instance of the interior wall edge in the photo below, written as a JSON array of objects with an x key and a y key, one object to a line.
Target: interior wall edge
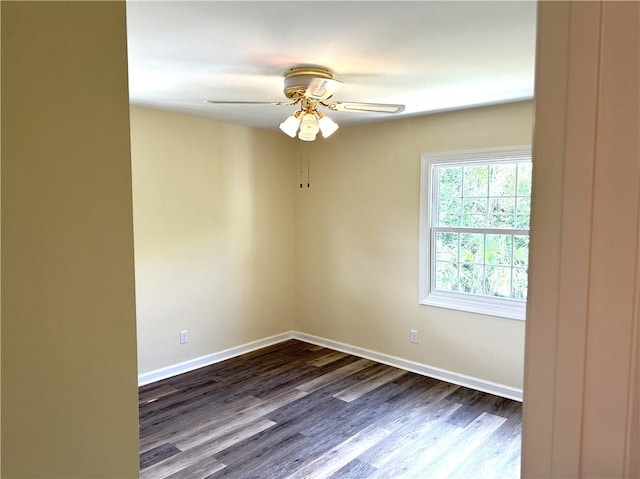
[
  {"x": 579, "y": 364},
  {"x": 552, "y": 46},
  {"x": 69, "y": 395}
]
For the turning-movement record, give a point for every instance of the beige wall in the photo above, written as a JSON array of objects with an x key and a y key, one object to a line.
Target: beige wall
[
  {"x": 357, "y": 244},
  {"x": 230, "y": 248},
  {"x": 69, "y": 402},
  {"x": 581, "y": 393},
  {"x": 214, "y": 235}
]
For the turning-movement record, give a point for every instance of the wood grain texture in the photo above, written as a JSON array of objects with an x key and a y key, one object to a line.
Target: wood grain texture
[{"x": 296, "y": 410}]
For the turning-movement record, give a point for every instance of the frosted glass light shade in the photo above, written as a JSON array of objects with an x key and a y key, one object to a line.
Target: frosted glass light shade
[
  {"x": 309, "y": 125},
  {"x": 306, "y": 136},
  {"x": 290, "y": 126},
  {"x": 327, "y": 126}
]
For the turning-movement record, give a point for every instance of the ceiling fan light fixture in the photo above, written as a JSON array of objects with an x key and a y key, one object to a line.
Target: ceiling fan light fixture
[
  {"x": 308, "y": 87},
  {"x": 290, "y": 126},
  {"x": 327, "y": 126}
]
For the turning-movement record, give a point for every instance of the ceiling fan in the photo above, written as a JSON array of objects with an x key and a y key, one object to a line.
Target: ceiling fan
[{"x": 310, "y": 87}]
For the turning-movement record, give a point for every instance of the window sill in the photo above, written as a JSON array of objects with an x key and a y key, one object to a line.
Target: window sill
[{"x": 477, "y": 304}]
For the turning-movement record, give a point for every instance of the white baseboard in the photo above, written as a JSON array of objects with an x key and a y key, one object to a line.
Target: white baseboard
[
  {"x": 430, "y": 371},
  {"x": 209, "y": 359}
]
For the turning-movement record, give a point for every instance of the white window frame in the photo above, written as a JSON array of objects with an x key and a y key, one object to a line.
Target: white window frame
[{"x": 506, "y": 308}]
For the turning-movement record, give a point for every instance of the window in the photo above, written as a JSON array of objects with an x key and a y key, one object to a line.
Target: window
[{"x": 474, "y": 230}]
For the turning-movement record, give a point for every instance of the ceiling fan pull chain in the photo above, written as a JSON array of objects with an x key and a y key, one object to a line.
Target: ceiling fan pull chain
[
  {"x": 300, "y": 177},
  {"x": 308, "y": 165}
]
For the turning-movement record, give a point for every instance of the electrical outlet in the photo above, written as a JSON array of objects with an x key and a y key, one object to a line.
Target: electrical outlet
[
  {"x": 413, "y": 336},
  {"x": 184, "y": 336}
]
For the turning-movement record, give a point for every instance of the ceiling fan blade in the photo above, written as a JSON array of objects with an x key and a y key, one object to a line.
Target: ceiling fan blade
[
  {"x": 322, "y": 88},
  {"x": 359, "y": 106},
  {"x": 279, "y": 103}
]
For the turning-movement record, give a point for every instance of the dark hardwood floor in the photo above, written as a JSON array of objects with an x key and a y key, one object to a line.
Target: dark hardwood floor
[{"x": 296, "y": 410}]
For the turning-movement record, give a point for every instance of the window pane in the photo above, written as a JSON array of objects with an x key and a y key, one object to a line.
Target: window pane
[
  {"x": 450, "y": 182},
  {"x": 476, "y": 181},
  {"x": 447, "y": 219},
  {"x": 447, "y": 246},
  {"x": 474, "y": 212},
  {"x": 478, "y": 239},
  {"x": 502, "y": 180},
  {"x": 523, "y": 210},
  {"x": 449, "y": 212},
  {"x": 524, "y": 179},
  {"x": 519, "y": 283},
  {"x": 521, "y": 251},
  {"x": 472, "y": 248},
  {"x": 498, "y": 281},
  {"x": 502, "y": 212},
  {"x": 498, "y": 249},
  {"x": 446, "y": 276},
  {"x": 472, "y": 278}
]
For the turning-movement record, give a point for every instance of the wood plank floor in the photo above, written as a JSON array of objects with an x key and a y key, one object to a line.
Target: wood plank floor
[{"x": 296, "y": 410}]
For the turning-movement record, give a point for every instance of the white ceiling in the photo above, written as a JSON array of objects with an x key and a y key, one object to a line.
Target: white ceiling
[{"x": 428, "y": 55}]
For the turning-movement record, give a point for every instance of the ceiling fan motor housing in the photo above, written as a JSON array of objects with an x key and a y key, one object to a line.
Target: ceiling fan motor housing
[{"x": 298, "y": 78}]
